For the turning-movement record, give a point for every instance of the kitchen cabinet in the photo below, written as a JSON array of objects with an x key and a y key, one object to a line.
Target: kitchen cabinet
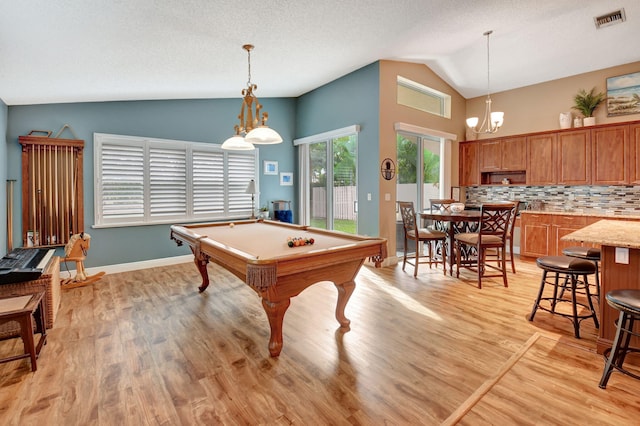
[
  {"x": 607, "y": 154},
  {"x": 634, "y": 154},
  {"x": 541, "y": 159},
  {"x": 490, "y": 155},
  {"x": 574, "y": 157},
  {"x": 503, "y": 158},
  {"x": 514, "y": 153},
  {"x": 469, "y": 174},
  {"x": 535, "y": 234},
  {"x": 610, "y": 155},
  {"x": 541, "y": 233},
  {"x": 563, "y": 225},
  {"x": 508, "y": 154}
]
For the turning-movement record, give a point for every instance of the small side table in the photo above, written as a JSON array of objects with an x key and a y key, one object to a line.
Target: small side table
[{"x": 23, "y": 309}]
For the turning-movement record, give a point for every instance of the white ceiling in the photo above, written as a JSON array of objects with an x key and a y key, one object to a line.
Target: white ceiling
[{"x": 100, "y": 50}]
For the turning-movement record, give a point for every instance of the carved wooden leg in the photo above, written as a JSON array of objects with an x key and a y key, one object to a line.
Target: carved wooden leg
[
  {"x": 275, "y": 312},
  {"x": 201, "y": 264},
  {"x": 345, "y": 291}
]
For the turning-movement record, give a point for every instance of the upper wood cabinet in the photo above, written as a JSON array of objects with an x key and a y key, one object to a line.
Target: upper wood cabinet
[
  {"x": 634, "y": 154},
  {"x": 490, "y": 155},
  {"x": 541, "y": 159},
  {"x": 610, "y": 155},
  {"x": 469, "y": 173},
  {"x": 607, "y": 154},
  {"x": 514, "y": 153},
  {"x": 574, "y": 157},
  {"x": 508, "y": 154}
]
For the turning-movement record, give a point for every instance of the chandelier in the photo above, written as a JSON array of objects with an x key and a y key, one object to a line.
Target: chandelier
[
  {"x": 252, "y": 128},
  {"x": 492, "y": 120}
]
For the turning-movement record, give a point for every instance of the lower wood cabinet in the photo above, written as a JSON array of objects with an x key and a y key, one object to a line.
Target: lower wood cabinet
[
  {"x": 535, "y": 234},
  {"x": 541, "y": 234},
  {"x": 564, "y": 225}
]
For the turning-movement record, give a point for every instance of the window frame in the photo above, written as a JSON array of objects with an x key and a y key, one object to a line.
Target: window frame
[
  {"x": 235, "y": 204},
  {"x": 304, "y": 183},
  {"x": 420, "y": 90}
]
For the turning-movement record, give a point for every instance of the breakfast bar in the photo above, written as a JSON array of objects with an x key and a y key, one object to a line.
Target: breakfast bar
[{"x": 620, "y": 266}]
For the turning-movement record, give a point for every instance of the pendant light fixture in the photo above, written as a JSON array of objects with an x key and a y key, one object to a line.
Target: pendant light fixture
[
  {"x": 492, "y": 120},
  {"x": 252, "y": 128}
]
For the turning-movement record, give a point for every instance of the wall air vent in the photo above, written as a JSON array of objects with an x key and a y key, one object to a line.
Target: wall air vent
[{"x": 615, "y": 17}]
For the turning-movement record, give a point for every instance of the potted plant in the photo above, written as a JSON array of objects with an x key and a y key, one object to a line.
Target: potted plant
[
  {"x": 586, "y": 102},
  {"x": 264, "y": 212}
]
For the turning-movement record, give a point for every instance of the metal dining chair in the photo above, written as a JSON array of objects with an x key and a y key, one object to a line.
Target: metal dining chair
[
  {"x": 420, "y": 236},
  {"x": 491, "y": 235},
  {"x": 510, "y": 230},
  {"x": 435, "y": 205},
  {"x": 438, "y": 204}
]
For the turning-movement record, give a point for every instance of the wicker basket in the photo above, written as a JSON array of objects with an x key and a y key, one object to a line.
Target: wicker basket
[{"x": 49, "y": 282}]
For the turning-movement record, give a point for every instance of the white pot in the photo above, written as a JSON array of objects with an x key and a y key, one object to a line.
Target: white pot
[
  {"x": 589, "y": 121},
  {"x": 577, "y": 122},
  {"x": 565, "y": 120}
]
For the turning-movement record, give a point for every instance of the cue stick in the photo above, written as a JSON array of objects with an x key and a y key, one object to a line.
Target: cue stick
[{"x": 10, "y": 183}]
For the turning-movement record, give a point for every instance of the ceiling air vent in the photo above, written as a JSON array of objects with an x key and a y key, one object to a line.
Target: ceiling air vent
[{"x": 614, "y": 17}]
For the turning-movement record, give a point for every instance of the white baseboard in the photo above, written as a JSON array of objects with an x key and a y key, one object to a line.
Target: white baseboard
[
  {"x": 187, "y": 258},
  {"x": 126, "y": 267}
]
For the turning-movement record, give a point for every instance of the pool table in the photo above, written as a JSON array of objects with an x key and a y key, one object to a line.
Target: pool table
[{"x": 257, "y": 252}]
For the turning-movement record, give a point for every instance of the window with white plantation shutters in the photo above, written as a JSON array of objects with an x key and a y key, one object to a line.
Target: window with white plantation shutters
[
  {"x": 243, "y": 169},
  {"x": 147, "y": 181},
  {"x": 167, "y": 182},
  {"x": 208, "y": 183},
  {"x": 122, "y": 182}
]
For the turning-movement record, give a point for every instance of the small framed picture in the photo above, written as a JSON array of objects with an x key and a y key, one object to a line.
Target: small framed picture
[
  {"x": 286, "y": 179},
  {"x": 270, "y": 167},
  {"x": 455, "y": 193}
]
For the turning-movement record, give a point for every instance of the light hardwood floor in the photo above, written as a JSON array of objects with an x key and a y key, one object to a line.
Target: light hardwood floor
[{"x": 145, "y": 348}]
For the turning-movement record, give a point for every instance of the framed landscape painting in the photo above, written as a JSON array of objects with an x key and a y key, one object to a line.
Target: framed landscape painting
[{"x": 623, "y": 94}]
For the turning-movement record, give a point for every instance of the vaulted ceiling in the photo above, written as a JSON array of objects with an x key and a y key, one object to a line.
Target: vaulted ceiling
[{"x": 93, "y": 50}]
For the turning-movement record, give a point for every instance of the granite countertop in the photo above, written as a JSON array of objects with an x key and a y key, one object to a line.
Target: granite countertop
[
  {"x": 615, "y": 233},
  {"x": 593, "y": 213}
]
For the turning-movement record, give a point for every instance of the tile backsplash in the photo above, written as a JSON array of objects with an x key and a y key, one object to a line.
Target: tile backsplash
[{"x": 619, "y": 199}]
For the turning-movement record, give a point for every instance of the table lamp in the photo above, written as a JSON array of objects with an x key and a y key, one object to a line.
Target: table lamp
[{"x": 251, "y": 189}]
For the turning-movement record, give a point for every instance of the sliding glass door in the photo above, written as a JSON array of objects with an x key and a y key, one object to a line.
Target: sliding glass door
[
  {"x": 332, "y": 184},
  {"x": 419, "y": 169}
]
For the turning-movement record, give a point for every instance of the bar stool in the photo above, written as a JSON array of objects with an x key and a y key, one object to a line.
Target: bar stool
[
  {"x": 628, "y": 303},
  {"x": 589, "y": 253},
  {"x": 572, "y": 268}
]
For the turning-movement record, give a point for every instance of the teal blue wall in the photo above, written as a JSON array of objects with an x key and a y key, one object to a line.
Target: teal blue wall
[
  {"x": 352, "y": 99},
  {"x": 208, "y": 121},
  {"x": 3, "y": 177}
]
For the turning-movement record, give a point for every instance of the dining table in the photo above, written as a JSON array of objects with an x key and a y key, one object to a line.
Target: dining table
[{"x": 453, "y": 222}]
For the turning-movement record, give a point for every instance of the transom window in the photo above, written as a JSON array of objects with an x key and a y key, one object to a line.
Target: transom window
[
  {"x": 419, "y": 96},
  {"x": 141, "y": 181}
]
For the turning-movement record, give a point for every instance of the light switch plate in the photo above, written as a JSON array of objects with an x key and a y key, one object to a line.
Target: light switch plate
[{"x": 622, "y": 255}]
